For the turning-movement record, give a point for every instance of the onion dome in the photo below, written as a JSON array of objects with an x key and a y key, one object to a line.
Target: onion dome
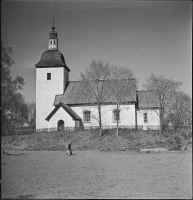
[{"x": 52, "y": 58}]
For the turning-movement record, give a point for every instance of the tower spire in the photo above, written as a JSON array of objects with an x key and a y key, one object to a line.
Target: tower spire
[
  {"x": 53, "y": 27},
  {"x": 53, "y": 39}
]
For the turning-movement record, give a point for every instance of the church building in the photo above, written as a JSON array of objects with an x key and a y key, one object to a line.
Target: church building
[{"x": 59, "y": 103}]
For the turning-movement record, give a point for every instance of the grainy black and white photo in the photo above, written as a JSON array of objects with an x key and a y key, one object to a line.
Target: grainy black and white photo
[{"x": 96, "y": 99}]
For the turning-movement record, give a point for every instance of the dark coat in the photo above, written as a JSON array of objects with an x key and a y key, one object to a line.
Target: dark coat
[{"x": 69, "y": 147}]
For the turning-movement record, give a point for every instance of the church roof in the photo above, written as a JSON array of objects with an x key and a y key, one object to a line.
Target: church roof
[
  {"x": 67, "y": 109},
  {"x": 148, "y": 99},
  {"x": 52, "y": 58},
  {"x": 75, "y": 94}
]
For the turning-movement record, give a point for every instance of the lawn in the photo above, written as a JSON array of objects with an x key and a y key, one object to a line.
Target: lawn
[{"x": 96, "y": 174}]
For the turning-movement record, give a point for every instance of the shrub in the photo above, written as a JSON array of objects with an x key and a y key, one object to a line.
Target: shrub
[
  {"x": 176, "y": 142},
  {"x": 186, "y": 134},
  {"x": 168, "y": 133}
]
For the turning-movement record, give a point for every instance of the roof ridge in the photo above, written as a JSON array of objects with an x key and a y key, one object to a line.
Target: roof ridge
[
  {"x": 74, "y": 81},
  {"x": 110, "y": 80},
  {"x": 145, "y": 90}
]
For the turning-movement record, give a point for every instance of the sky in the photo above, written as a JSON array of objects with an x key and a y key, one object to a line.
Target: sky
[{"x": 144, "y": 36}]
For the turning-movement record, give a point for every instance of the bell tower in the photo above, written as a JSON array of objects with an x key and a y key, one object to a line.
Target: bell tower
[{"x": 52, "y": 77}]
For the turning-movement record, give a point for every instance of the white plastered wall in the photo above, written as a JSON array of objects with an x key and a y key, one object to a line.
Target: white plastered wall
[
  {"x": 153, "y": 118},
  {"x": 127, "y": 116},
  {"x": 46, "y": 91},
  {"x": 61, "y": 114}
]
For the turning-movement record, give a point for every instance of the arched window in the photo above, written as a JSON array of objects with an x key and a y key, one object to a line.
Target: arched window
[
  {"x": 60, "y": 125},
  {"x": 86, "y": 116},
  {"x": 116, "y": 115}
]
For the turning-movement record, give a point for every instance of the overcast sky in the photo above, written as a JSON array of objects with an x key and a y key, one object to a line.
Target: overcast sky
[{"x": 144, "y": 36}]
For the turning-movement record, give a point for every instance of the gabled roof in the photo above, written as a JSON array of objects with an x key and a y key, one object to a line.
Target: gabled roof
[
  {"x": 75, "y": 94},
  {"x": 67, "y": 109},
  {"x": 148, "y": 99},
  {"x": 52, "y": 58}
]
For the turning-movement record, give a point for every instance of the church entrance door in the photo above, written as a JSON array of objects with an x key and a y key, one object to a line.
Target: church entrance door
[{"x": 60, "y": 125}]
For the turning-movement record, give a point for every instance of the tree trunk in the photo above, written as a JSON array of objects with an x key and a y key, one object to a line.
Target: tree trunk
[
  {"x": 100, "y": 124},
  {"x": 117, "y": 123},
  {"x": 161, "y": 121},
  {"x": 160, "y": 125}
]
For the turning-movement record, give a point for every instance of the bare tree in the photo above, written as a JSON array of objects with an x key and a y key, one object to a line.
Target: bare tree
[
  {"x": 181, "y": 110},
  {"x": 122, "y": 87},
  {"x": 93, "y": 82},
  {"x": 165, "y": 90}
]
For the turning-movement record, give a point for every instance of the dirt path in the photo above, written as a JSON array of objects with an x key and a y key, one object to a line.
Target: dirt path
[{"x": 93, "y": 174}]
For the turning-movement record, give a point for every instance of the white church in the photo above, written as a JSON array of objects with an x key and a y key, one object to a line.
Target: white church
[{"x": 59, "y": 105}]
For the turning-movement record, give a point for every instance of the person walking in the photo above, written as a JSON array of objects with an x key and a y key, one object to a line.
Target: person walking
[{"x": 69, "y": 151}]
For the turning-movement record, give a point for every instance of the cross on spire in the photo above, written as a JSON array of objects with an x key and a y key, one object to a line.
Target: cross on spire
[{"x": 53, "y": 27}]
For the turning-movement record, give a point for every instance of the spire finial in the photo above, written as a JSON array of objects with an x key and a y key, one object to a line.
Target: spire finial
[{"x": 53, "y": 27}]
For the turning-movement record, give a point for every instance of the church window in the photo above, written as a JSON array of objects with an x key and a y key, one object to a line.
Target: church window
[
  {"x": 87, "y": 116},
  {"x": 116, "y": 115},
  {"x": 145, "y": 117},
  {"x": 48, "y": 76}
]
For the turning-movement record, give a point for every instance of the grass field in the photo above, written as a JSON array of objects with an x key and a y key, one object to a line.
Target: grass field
[
  {"x": 110, "y": 166},
  {"x": 131, "y": 140},
  {"x": 95, "y": 174}
]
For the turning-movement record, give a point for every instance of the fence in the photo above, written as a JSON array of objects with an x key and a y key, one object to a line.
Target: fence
[
  {"x": 130, "y": 127},
  {"x": 84, "y": 128}
]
